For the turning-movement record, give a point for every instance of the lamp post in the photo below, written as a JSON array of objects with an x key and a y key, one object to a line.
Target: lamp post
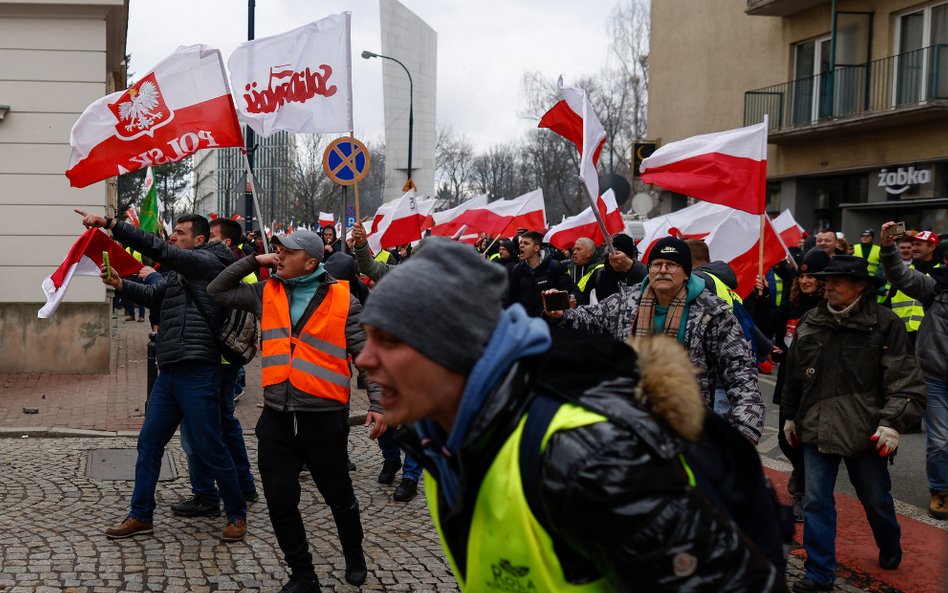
[{"x": 411, "y": 101}]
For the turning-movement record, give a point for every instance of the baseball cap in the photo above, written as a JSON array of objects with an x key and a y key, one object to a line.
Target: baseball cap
[
  {"x": 927, "y": 236},
  {"x": 869, "y": 232},
  {"x": 303, "y": 239}
]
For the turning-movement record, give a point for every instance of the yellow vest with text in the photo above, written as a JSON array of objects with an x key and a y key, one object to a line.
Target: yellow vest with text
[
  {"x": 872, "y": 258},
  {"x": 508, "y": 549},
  {"x": 908, "y": 309},
  {"x": 724, "y": 292}
]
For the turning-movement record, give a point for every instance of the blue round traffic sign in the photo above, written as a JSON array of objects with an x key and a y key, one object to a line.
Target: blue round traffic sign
[{"x": 346, "y": 161}]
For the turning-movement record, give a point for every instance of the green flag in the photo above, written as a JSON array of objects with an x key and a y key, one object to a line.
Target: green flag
[{"x": 148, "y": 213}]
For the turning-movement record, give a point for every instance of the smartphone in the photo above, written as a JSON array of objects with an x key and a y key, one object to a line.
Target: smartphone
[
  {"x": 896, "y": 230},
  {"x": 557, "y": 301},
  {"x": 105, "y": 262}
]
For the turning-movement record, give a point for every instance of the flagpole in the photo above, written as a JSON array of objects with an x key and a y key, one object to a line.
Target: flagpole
[
  {"x": 602, "y": 224},
  {"x": 762, "y": 201},
  {"x": 256, "y": 203},
  {"x": 760, "y": 251}
]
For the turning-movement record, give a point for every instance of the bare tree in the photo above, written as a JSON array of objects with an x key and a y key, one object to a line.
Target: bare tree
[{"x": 454, "y": 166}]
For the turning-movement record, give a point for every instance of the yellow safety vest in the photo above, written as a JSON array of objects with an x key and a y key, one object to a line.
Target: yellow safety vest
[
  {"x": 494, "y": 256},
  {"x": 778, "y": 286},
  {"x": 724, "y": 292},
  {"x": 383, "y": 256},
  {"x": 872, "y": 258},
  {"x": 581, "y": 285},
  {"x": 908, "y": 309},
  {"x": 508, "y": 549}
]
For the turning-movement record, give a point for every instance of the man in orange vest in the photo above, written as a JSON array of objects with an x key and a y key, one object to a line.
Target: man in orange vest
[{"x": 310, "y": 327}]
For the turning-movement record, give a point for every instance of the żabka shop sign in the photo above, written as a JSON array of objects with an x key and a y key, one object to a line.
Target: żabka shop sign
[{"x": 900, "y": 180}]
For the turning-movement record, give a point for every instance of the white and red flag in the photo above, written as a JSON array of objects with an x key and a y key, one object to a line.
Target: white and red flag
[
  {"x": 790, "y": 232},
  {"x": 732, "y": 236},
  {"x": 132, "y": 216},
  {"x": 504, "y": 217},
  {"x": 442, "y": 224},
  {"x": 84, "y": 259},
  {"x": 299, "y": 81},
  {"x": 326, "y": 219},
  {"x": 564, "y": 234},
  {"x": 180, "y": 107},
  {"x": 400, "y": 224},
  {"x": 574, "y": 119},
  {"x": 727, "y": 168}
]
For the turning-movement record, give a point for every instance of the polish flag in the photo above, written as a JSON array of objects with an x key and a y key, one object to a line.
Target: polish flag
[
  {"x": 84, "y": 259},
  {"x": 790, "y": 232},
  {"x": 727, "y": 168},
  {"x": 182, "y": 106},
  {"x": 443, "y": 223},
  {"x": 132, "y": 216},
  {"x": 504, "y": 217},
  {"x": 732, "y": 236},
  {"x": 380, "y": 214},
  {"x": 574, "y": 119},
  {"x": 399, "y": 225},
  {"x": 326, "y": 219},
  {"x": 564, "y": 235}
]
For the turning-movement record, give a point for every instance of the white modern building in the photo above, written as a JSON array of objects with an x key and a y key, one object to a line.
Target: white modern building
[
  {"x": 56, "y": 57},
  {"x": 411, "y": 41}
]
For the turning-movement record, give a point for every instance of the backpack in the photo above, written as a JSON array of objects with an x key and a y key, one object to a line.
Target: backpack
[{"x": 237, "y": 336}]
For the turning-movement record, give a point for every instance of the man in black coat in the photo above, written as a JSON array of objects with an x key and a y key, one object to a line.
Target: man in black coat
[{"x": 536, "y": 272}]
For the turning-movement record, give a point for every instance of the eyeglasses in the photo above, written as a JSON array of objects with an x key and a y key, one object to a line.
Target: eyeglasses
[{"x": 667, "y": 266}]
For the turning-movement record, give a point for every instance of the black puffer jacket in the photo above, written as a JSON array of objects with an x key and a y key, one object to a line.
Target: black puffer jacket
[
  {"x": 614, "y": 492},
  {"x": 527, "y": 283},
  {"x": 183, "y": 334}
]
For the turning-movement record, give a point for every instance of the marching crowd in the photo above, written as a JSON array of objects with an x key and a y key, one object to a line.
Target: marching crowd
[{"x": 586, "y": 418}]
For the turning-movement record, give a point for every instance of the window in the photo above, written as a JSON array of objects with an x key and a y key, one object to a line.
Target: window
[
  {"x": 922, "y": 42},
  {"x": 812, "y": 62}
]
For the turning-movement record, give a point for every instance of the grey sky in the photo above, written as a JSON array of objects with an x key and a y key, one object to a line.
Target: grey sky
[{"x": 484, "y": 47}]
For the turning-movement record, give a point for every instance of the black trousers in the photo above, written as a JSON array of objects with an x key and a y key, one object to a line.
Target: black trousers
[{"x": 319, "y": 440}]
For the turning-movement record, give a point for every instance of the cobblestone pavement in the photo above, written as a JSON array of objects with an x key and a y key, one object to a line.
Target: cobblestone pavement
[{"x": 52, "y": 519}]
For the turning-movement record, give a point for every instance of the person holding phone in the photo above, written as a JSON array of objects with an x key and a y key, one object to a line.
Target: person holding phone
[{"x": 537, "y": 273}]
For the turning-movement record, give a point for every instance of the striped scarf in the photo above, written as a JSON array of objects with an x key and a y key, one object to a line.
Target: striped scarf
[{"x": 644, "y": 324}]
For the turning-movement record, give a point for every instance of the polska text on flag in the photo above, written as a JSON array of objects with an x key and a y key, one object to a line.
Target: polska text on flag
[
  {"x": 180, "y": 107},
  {"x": 299, "y": 81},
  {"x": 728, "y": 168},
  {"x": 84, "y": 259}
]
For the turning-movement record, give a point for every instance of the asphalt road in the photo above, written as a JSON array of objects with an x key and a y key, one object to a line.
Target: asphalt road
[{"x": 909, "y": 484}]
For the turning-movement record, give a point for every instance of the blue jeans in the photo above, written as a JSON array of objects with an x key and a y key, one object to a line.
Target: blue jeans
[
  {"x": 202, "y": 481},
  {"x": 870, "y": 478},
  {"x": 185, "y": 394},
  {"x": 936, "y": 442},
  {"x": 390, "y": 451}
]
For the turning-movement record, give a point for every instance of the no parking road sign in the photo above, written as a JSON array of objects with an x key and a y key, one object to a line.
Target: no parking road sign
[{"x": 346, "y": 161}]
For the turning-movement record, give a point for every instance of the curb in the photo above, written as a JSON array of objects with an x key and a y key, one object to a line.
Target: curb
[{"x": 356, "y": 418}]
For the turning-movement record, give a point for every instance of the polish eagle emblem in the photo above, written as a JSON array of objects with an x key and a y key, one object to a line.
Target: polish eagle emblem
[{"x": 140, "y": 109}]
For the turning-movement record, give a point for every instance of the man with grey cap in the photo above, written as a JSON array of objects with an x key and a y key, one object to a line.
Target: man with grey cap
[
  {"x": 310, "y": 325},
  {"x": 546, "y": 465}
]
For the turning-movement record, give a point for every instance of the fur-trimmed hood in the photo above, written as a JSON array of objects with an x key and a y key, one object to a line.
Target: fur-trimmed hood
[{"x": 668, "y": 384}]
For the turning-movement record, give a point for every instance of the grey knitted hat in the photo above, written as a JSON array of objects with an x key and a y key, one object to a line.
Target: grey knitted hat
[{"x": 444, "y": 302}]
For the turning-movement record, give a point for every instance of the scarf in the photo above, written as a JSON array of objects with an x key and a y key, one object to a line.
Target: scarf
[{"x": 644, "y": 324}]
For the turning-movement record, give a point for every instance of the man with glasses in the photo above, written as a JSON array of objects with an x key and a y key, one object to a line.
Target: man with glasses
[{"x": 673, "y": 302}]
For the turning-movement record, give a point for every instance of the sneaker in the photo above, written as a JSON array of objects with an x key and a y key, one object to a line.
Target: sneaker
[
  {"x": 250, "y": 496},
  {"x": 938, "y": 508},
  {"x": 406, "y": 490},
  {"x": 234, "y": 531},
  {"x": 798, "y": 508},
  {"x": 141, "y": 320},
  {"x": 129, "y": 318},
  {"x": 196, "y": 506},
  {"x": 129, "y": 527},
  {"x": 890, "y": 561},
  {"x": 302, "y": 584},
  {"x": 808, "y": 585},
  {"x": 389, "y": 469},
  {"x": 356, "y": 570}
]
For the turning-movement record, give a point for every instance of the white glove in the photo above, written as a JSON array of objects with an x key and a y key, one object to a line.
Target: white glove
[
  {"x": 790, "y": 431},
  {"x": 886, "y": 440}
]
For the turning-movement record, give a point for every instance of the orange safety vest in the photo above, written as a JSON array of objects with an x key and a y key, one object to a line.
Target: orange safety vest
[{"x": 316, "y": 361}]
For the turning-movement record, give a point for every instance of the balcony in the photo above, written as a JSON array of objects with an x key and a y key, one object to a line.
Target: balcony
[
  {"x": 779, "y": 7},
  {"x": 908, "y": 87}
]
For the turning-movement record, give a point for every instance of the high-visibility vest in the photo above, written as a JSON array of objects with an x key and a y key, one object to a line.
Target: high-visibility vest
[
  {"x": 581, "y": 285},
  {"x": 383, "y": 256},
  {"x": 908, "y": 309},
  {"x": 778, "y": 287},
  {"x": 495, "y": 256},
  {"x": 724, "y": 292},
  {"x": 315, "y": 361},
  {"x": 872, "y": 258},
  {"x": 134, "y": 254},
  {"x": 508, "y": 549}
]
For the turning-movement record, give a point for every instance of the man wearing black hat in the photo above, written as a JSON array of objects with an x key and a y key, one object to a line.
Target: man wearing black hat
[
  {"x": 868, "y": 250},
  {"x": 310, "y": 326},
  {"x": 673, "y": 302},
  {"x": 852, "y": 386}
]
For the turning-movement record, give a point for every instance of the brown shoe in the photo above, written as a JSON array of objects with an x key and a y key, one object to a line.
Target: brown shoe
[
  {"x": 129, "y": 527},
  {"x": 234, "y": 531},
  {"x": 939, "y": 506}
]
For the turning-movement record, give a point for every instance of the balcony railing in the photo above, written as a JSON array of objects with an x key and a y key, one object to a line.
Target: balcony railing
[
  {"x": 906, "y": 80},
  {"x": 780, "y": 7}
]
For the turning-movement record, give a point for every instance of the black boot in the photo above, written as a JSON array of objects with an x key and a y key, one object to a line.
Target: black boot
[
  {"x": 349, "y": 526},
  {"x": 302, "y": 584}
]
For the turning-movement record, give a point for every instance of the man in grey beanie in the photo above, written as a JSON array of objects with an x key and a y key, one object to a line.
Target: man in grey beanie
[
  {"x": 310, "y": 325},
  {"x": 493, "y": 397}
]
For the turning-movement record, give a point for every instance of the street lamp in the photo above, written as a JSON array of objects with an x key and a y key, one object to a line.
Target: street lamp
[{"x": 411, "y": 101}]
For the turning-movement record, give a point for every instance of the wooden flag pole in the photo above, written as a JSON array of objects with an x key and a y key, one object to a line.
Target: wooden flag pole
[
  {"x": 594, "y": 201},
  {"x": 760, "y": 251}
]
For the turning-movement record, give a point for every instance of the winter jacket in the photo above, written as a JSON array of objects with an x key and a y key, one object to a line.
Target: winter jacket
[
  {"x": 609, "y": 280},
  {"x": 848, "y": 376},
  {"x": 527, "y": 283},
  {"x": 932, "y": 291},
  {"x": 229, "y": 291},
  {"x": 614, "y": 496},
  {"x": 185, "y": 334},
  {"x": 576, "y": 274},
  {"x": 368, "y": 265},
  {"x": 715, "y": 343}
]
